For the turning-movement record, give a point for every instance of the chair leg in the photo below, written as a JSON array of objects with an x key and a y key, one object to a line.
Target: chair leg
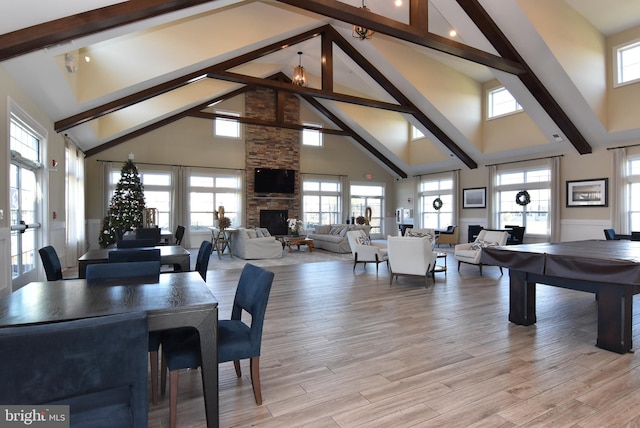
[
  {"x": 459, "y": 263},
  {"x": 173, "y": 398},
  {"x": 255, "y": 379},
  {"x": 163, "y": 375},
  {"x": 500, "y": 270},
  {"x": 236, "y": 365},
  {"x": 480, "y": 269},
  {"x": 153, "y": 363}
]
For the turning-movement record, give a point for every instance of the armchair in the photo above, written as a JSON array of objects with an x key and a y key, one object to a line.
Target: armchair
[
  {"x": 449, "y": 236},
  {"x": 365, "y": 251},
  {"x": 410, "y": 256},
  {"x": 471, "y": 252}
]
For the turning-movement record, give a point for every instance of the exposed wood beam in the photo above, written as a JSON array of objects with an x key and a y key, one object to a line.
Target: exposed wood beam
[
  {"x": 300, "y": 90},
  {"x": 347, "y": 13},
  {"x": 419, "y": 16},
  {"x": 504, "y": 47},
  {"x": 72, "y": 27}
]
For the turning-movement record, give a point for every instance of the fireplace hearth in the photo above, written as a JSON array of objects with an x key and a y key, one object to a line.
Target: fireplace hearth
[{"x": 275, "y": 221}]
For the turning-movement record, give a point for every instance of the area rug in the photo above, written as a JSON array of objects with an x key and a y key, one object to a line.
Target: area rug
[{"x": 298, "y": 256}]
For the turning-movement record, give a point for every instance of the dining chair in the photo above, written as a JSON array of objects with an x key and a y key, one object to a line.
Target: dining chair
[
  {"x": 610, "y": 234},
  {"x": 51, "y": 263},
  {"x": 122, "y": 270},
  {"x": 146, "y": 255},
  {"x": 236, "y": 340},
  {"x": 179, "y": 234},
  {"x": 202, "y": 261},
  {"x": 135, "y": 243},
  {"x": 97, "y": 366},
  {"x": 153, "y": 233}
]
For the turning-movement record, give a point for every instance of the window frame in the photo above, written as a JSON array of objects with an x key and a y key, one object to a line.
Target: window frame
[
  {"x": 306, "y": 133},
  {"x": 631, "y": 179},
  {"x": 377, "y": 221},
  {"x": 426, "y": 198},
  {"x": 235, "y": 215},
  {"x": 617, "y": 68},
  {"x": 333, "y": 216},
  {"x": 218, "y": 120},
  {"x": 490, "y": 105}
]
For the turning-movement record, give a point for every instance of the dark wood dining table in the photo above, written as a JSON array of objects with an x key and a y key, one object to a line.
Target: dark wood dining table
[
  {"x": 610, "y": 269},
  {"x": 169, "y": 255},
  {"x": 175, "y": 300}
]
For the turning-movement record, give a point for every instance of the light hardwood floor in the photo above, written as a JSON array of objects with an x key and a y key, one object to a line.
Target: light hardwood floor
[{"x": 345, "y": 349}]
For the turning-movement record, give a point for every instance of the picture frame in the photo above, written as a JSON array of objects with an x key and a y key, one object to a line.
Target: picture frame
[
  {"x": 475, "y": 197},
  {"x": 588, "y": 193}
]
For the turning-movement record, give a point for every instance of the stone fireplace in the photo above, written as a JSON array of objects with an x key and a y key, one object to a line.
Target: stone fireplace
[{"x": 275, "y": 221}]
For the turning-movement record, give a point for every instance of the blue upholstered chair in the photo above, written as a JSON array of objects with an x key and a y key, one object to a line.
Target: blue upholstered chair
[
  {"x": 236, "y": 340},
  {"x": 135, "y": 255},
  {"x": 153, "y": 233},
  {"x": 179, "y": 234},
  {"x": 135, "y": 243},
  {"x": 97, "y": 366},
  {"x": 51, "y": 263},
  {"x": 610, "y": 234},
  {"x": 202, "y": 261},
  {"x": 123, "y": 270}
]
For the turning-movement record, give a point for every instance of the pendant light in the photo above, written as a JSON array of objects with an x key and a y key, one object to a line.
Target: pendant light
[
  {"x": 299, "y": 75},
  {"x": 360, "y": 32}
]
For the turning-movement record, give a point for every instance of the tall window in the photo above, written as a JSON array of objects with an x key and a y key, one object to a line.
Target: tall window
[
  {"x": 321, "y": 200},
  {"x": 372, "y": 196},
  {"x": 500, "y": 102},
  {"x": 209, "y": 191},
  {"x": 536, "y": 181},
  {"x": 25, "y": 142},
  {"x": 416, "y": 133},
  {"x": 627, "y": 63},
  {"x": 429, "y": 190},
  {"x": 226, "y": 127},
  {"x": 633, "y": 192},
  {"x": 311, "y": 137}
]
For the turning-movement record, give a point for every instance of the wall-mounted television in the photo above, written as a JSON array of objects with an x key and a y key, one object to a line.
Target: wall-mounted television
[{"x": 270, "y": 180}]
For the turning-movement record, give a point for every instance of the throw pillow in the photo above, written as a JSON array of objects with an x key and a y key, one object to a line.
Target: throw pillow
[
  {"x": 364, "y": 240},
  {"x": 259, "y": 233},
  {"x": 343, "y": 232},
  {"x": 478, "y": 245},
  {"x": 335, "y": 231},
  {"x": 323, "y": 229},
  {"x": 252, "y": 233}
]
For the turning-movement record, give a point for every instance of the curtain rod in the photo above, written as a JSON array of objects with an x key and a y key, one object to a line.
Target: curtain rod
[
  {"x": 623, "y": 147},
  {"x": 524, "y": 160},
  {"x": 167, "y": 164},
  {"x": 435, "y": 173}
]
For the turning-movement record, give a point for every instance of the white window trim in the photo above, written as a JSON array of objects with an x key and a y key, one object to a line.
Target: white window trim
[
  {"x": 616, "y": 65},
  {"x": 227, "y": 113},
  {"x": 519, "y": 108},
  {"x": 320, "y": 134},
  {"x": 416, "y": 134}
]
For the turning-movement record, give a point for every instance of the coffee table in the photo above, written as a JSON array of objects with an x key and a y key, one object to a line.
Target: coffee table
[
  {"x": 289, "y": 241},
  {"x": 440, "y": 268}
]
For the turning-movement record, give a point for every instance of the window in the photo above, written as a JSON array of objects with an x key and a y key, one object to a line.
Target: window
[
  {"x": 416, "y": 133},
  {"x": 311, "y": 137},
  {"x": 501, "y": 102},
  {"x": 209, "y": 191},
  {"x": 534, "y": 216},
  {"x": 627, "y": 62},
  {"x": 321, "y": 200},
  {"x": 633, "y": 192},
  {"x": 224, "y": 127},
  {"x": 371, "y": 196},
  {"x": 429, "y": 190}
]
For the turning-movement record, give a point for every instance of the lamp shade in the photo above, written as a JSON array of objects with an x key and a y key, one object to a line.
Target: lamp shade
[{"x": 299, "y": 75}]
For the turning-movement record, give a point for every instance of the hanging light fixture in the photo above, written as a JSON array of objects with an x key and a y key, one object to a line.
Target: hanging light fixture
[
  {"x": 299, "y": 75},
  {"x": 360, "y": 32}
]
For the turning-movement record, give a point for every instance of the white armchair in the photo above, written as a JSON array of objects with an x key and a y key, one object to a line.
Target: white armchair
[
  {"x": 471, "y": 252},
  {"x": 365, "y": 251},
  {"x": 410, "y": 256}
]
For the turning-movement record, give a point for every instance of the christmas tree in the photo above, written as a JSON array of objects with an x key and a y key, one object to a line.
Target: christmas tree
[{"x": 127, "y": 205}]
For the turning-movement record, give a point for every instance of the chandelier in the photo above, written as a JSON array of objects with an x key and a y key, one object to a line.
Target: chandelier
[
  {"x": 360, "y": 32},
  {"x": 299, "y": 75}
]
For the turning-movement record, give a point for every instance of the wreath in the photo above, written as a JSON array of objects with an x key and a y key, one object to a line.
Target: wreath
[
  {"x": 523, "y": 198},
  {"x": 437, "y": 204}
]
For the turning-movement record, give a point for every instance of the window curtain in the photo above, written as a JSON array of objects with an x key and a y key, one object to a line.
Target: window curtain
[
  {"x": 618, "y": 201},
  {"x": 75, "y": 223},
  {"x": 491, "y": 207},
  {"x": 107, "y": 167},
  {"x": 556, "y": 202},
  {"x": 180, "y": 202},
  {"x": 455, "y": 178},
  {"x": 345, "y": 203}
]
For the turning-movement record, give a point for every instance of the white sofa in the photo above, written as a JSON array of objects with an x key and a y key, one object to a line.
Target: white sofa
[
  {"x": 471, "y": 252},
  {"x": 256, "y": 243},
  {"x": 410, "y": 256},
  {"x": 333, "y": 237}
]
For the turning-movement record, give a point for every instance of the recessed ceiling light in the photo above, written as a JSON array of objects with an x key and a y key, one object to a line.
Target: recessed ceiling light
[
  {"x": 398, "y": 3},
  {"x": 453, "y": 33}
]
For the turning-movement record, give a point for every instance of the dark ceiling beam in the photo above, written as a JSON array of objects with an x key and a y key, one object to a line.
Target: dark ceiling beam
[
  {"x": 381, "y": 24},
  {"x": 64, "y": 30},
  {"x": 301, "y": 90},
  {"x": 95, "y": 113},
  {"x": 504, "y": 47},
  {"x": 419, "y": 16},
  {"x": 364, "y": 143},
  {"x": 399, "y": 96},
  {"x": 164, "y": 122}
]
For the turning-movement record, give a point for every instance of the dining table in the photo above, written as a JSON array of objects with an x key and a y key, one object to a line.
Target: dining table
[
  {"x": 169, "y": 255},
  {"x": 172, "y": 300}
]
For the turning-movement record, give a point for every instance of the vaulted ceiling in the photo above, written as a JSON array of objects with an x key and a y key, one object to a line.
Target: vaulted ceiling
[{"x": 153, "y": 62}]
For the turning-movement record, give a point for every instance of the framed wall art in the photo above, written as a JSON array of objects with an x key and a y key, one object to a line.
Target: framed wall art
[
  {"x": 588, "y": 193},
  {"x": 474, "y": 198}
]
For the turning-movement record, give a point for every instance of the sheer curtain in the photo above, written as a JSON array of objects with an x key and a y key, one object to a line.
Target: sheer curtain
[
  {"x": 491, "y": 204},
  {"x": 618, "y": 203},
  {"x": 555, "y": 202},
  {"x": 74, "y": 205}
]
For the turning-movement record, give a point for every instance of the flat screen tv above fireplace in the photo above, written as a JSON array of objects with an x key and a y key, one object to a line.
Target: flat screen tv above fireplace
[{"x": 270, "y": 180}]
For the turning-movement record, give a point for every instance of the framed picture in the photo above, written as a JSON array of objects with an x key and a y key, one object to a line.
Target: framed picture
[
  {"x": 474, "y": 198},
  {"x": 588, "y": 193}
]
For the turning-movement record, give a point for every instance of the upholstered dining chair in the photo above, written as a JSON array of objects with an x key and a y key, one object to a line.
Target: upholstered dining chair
[
  {"x": 134, "y": 255},
  {"x": 51, "y": 263},
  {"x": 97, "y": 366},
  {"x": 202, "y": 261},
  {"x": 365, "y": 251},
  {"x": 179, "y": 234},
  {"x": 149, "y": 233},
  {"x": 610, "y": 234},
  {"x": 236, "y": 340},
  {"x": 135, "y": 243}
]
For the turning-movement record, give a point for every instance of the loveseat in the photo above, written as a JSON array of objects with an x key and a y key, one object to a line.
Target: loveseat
[
  {"x": 333, "y": 237},
  {"x": 254, "y": 244}
]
